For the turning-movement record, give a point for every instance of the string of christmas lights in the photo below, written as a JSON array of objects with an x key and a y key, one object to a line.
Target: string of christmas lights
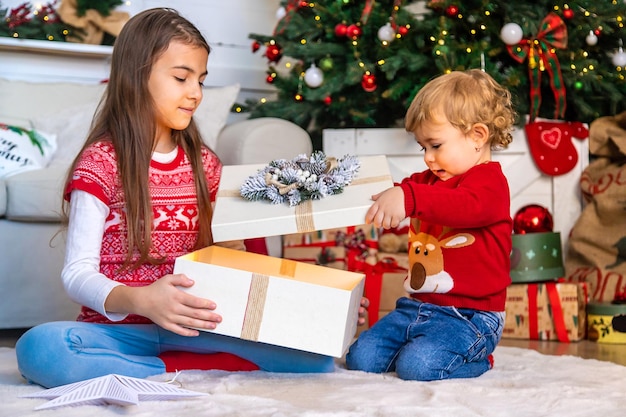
[{"x": 348, "y": 63}]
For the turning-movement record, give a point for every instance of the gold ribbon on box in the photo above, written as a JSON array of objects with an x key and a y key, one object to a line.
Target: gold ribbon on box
[
  {"x": 93, "y": 23},
  {"x": 256, "y": 300},
  {"x": 304, "y": 210}
]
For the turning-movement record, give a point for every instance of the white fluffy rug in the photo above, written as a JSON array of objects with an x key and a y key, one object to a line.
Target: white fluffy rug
[{"x": 523, "y": 383}]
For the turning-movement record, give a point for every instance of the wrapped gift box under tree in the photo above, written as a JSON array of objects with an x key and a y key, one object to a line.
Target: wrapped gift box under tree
[
  {"x": 546, "y": 311},
  {"x": 343, "y": 248}
]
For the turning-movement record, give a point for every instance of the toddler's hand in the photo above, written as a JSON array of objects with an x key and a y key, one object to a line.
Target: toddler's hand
[
  {"x": 365, "y": 303},
  {"x": 388, "y": 208}
]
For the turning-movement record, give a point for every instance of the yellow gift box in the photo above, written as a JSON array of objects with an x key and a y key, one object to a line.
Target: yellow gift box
[
  {"x": 606, "y": 323},
  {"x": 546, "y": 311},
  {"x": 277, "y": 301},
  {"x": 236, "y": 218}
]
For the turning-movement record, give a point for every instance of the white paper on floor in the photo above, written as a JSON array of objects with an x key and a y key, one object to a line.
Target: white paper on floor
[{"x": 110, "y": 389}]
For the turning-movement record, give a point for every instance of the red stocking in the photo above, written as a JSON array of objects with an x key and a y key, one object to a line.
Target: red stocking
[{"x": 551, "y": 145}]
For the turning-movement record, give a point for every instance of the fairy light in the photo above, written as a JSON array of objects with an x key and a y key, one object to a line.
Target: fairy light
[{"x": 302, "y": 41}]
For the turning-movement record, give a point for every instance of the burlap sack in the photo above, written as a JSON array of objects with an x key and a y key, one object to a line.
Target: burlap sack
[{"x": 597, "y": 246}]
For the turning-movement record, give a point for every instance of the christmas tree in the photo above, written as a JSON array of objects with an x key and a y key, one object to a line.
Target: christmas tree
[{"x": 359, "y": 63}]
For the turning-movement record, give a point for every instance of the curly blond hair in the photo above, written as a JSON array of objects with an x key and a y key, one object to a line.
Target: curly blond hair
[{"x": 465, "y": 98}]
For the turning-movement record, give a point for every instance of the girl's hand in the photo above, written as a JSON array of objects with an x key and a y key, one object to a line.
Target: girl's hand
[
  {"x": 387, "y": 211},
  {"x": 365, "y": 303},
  {"x": 166, "y": 305}
]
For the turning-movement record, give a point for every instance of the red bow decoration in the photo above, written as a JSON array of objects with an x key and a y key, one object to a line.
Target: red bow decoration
[{"x": 541, "y": 57}]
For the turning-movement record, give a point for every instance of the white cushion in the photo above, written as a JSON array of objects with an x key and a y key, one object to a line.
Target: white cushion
[
  {"x": 24, "y": 149},
  {"x": 3, "y": 198},
  {"x": 72, "y": 124},
  {"x": 212, "y": 114},
  {"x": 259, "y": 141},
  {"x": 36, "y": 195}
]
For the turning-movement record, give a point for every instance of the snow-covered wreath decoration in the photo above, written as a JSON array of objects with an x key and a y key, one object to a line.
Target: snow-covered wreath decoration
[{"x": 300, "y": 179}]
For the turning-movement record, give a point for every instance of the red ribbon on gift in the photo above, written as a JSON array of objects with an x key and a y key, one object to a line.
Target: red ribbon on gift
[
  {"x": 374, "y": 282},
  {"x": 542, "y": 56},
  {"x": 558, "y": 318}
]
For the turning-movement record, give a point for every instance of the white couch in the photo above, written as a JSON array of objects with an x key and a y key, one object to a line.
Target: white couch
[{"x": 31, "y": 245}]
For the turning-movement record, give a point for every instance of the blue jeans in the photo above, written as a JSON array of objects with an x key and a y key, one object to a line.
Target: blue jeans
[
  {"x": 424, "y": 342},
  {"x": 60, "y": 353}
]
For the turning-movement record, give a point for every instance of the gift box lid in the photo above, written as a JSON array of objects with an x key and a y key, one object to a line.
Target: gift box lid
[
  {"x": 606, "y": 309},
  {"x": 536, "y": 257},
  {"x": 236, "y": 218}
]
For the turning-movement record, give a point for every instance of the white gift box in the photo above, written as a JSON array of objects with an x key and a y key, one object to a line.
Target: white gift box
[
  {"x": 236, "y": 218},
  {"x": 277, "y": 301}
]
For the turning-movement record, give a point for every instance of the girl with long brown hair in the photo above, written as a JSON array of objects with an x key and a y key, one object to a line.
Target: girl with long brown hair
[{"x": 138, "y": 195}]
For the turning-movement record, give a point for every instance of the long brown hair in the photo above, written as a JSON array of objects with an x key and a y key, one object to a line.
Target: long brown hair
[{"x": 126, "y": 118}]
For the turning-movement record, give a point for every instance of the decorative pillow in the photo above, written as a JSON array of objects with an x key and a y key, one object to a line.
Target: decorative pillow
[
  {"x": 71, "y": 125},
  {"x": 212, "y": 114},
  {"x": 24, "y": 149}
]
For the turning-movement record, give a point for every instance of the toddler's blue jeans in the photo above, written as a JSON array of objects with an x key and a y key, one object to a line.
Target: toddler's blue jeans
[
  {"x": 59, "y": 353},
  {"x": 422, "y": 341}
]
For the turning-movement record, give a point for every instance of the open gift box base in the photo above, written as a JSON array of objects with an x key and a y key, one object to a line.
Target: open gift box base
[{"x": 277, "y": 301}]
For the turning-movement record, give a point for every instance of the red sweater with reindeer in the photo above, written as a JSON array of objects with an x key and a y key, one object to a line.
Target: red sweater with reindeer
[{"x": 460, "y": 238}]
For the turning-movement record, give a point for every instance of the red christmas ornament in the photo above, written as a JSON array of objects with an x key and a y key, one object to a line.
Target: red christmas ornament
[
  {"x": 532, "y": 218},
  {"x": 341, "y": 30},
  {"x": 452, "y": 10},
  {"x": 328, "y": 100},
  {"x": 598, "y": 31},
  {"x": 270, "y": 79},
  {"x": 273, "y": 53},
  {"x": 368, "y": 82},
  {"x": 304, "y": 4},
  {"x": 568, "y": 13},
  {"x": 403, "y": 30},
  {"x": 255, "y": 46},
  {"x": 354, "y": 31}
]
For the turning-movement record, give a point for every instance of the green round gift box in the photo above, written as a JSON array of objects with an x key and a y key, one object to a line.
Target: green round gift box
[{"x": 536, "y": 257}]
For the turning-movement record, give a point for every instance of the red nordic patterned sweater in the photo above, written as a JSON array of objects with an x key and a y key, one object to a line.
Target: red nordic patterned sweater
[{"x": 175, "y": 211}]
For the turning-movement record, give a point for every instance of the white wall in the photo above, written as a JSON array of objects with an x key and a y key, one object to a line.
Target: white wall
[{"x": 225, "y": 23}]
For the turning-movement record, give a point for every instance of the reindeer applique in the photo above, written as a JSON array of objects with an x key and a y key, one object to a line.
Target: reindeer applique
[{"x": 427, "y": 272}]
